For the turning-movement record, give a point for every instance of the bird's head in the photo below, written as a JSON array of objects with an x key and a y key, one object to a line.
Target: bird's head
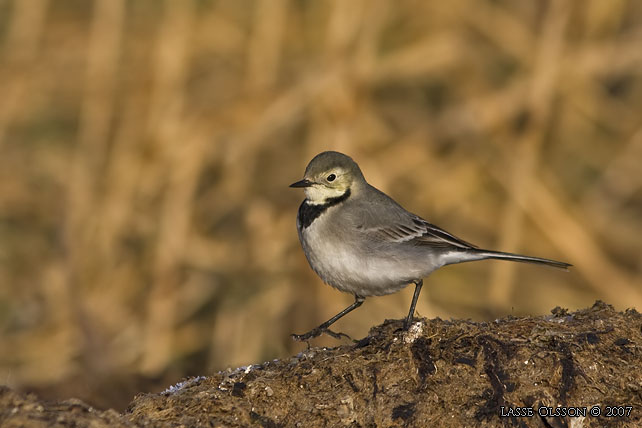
[{"x": 330, "y": 175}]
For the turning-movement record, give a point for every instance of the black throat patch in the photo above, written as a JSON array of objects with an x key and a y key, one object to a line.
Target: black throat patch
[{"x": 309, "y": 212}]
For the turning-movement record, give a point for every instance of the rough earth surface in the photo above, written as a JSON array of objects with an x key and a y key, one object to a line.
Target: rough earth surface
[{"x": 440, "y": 373}]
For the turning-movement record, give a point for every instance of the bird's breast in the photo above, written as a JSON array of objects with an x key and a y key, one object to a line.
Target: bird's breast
[{"x": 343, "y": 260}]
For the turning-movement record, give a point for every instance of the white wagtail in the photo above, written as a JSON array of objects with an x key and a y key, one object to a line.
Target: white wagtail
[{"x": 360, "y": 241}]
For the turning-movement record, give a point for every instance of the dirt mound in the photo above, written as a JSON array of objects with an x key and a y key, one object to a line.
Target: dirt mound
[
  {"x": 551, "y": 371},
  {"x": 26, "y": 410}
]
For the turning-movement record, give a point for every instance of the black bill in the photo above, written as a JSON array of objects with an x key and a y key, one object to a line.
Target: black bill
[{"x": 302, "y": 183}]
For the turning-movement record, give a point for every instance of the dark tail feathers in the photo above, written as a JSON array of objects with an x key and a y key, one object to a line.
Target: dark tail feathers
[{"x": 486, "y": 254}]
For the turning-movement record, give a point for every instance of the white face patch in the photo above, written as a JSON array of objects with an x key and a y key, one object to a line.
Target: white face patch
[{"x": 318, "y": 194}]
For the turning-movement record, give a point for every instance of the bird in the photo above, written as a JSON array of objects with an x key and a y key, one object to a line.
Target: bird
[{"x": 359, "y": 240}]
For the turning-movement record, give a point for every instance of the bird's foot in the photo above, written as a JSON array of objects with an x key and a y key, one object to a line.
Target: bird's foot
[
  {"x": 407, "y": 323},
  {"x": 316, "y": 332}
]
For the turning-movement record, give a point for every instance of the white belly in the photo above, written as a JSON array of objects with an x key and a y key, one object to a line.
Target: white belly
[{"x": 347, "y": 267}]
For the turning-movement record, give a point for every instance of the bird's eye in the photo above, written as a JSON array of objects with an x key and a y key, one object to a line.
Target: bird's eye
[{"x": 331, "y": 177}]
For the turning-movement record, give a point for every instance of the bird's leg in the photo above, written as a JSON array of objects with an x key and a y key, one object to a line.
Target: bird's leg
[
  {"x": 323, "y": 328},
  {"x": 418, "y": 284}
]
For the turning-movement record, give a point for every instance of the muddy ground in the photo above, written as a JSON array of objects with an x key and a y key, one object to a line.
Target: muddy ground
[{"x": 440, "y": 373}]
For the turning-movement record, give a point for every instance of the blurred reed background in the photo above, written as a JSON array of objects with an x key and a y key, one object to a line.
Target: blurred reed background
[{"x": 146, "y": 227}]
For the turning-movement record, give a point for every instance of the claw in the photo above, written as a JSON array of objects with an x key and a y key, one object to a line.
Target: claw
[
  {"x": 318, "y": 332},
  {"x": 336, "y": 335}
]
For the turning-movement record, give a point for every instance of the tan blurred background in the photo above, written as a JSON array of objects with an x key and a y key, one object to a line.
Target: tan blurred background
[{"x": 146, "y": 227}]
